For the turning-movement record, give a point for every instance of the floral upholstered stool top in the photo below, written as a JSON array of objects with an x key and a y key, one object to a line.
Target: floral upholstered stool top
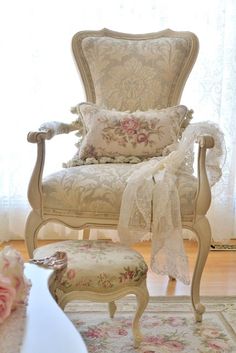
[{"x": 99, "y": 271}]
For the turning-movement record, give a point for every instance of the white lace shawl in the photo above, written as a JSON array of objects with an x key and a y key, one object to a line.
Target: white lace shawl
[{"x": 150, "y": 204}]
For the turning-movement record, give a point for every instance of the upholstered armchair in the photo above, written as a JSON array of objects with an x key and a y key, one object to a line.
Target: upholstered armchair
[{"x": 142, "y": 75}]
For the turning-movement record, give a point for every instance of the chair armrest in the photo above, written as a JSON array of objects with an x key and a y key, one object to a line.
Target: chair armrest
[
  {"x": 46, "y": 132},
  {"x": 206, "y": 141},
  {"x": 35, "y": 184},
  {"x": 38, "y": 136},
  {"x": 50, "y": 129},
  {"x": 203, "y": 196}
]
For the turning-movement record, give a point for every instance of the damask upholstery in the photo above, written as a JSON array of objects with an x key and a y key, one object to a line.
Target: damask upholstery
[
  {"x": 95, "y": 191},
  {"x": 135, "y": 74}
]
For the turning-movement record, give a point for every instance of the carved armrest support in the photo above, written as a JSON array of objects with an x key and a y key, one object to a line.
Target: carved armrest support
[
  {"x": 203, "y": 196},
  {"x": 35, "y": 184},
  {"x": 46, "y": 132}
]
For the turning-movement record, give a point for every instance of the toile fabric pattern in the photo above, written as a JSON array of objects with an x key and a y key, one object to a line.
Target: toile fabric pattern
[
  {"x": 135, "y": 74},
  {"x": 96, "y": 266},
  {"x": 111, "y": 133},
  {"x": 96, "y": 190}
]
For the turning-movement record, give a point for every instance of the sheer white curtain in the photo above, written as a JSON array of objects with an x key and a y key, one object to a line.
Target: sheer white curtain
[{"x": 39, "y": 82}]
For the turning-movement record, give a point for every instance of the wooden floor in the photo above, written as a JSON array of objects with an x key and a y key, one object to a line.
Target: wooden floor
[{"x": 218, "y": 277}]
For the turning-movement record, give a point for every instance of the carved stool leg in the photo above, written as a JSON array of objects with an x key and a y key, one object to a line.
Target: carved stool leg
[
  {"x": 203, "y": 232},
  {"x": 86, "y": 234},
  {"x": 112, "y": 309},
  {"x": 142, "y": 296}
]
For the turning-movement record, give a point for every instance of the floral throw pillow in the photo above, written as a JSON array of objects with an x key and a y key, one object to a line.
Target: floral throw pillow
[{"x": 110, "y": 133}]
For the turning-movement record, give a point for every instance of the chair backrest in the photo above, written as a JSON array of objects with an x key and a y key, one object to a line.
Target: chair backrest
[{"x": 132, "y": 71}]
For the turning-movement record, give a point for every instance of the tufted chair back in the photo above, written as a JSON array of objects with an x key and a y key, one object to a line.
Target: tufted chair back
[{"x": 134, "y": 72}]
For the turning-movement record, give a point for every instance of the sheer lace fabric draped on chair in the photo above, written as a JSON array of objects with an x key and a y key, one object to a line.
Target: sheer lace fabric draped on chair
[
  {"x": 151, "y": 195},
  {"x": 130, "y": 74}
]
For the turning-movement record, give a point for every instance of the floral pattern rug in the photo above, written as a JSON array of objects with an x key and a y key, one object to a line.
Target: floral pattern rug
[{"x": 167, "y": 326}]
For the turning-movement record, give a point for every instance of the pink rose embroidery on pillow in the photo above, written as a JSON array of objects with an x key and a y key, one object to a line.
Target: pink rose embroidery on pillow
[{"x": 110, "y": 133}]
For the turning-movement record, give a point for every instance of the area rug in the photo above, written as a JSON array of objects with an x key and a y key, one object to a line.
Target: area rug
[{"x": 167, "y": 325}]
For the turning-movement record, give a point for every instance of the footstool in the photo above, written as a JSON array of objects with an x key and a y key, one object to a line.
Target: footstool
[{"x": 100, "y": 271}]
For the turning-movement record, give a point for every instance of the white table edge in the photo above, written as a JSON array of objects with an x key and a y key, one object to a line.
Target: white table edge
[{"x": 47, "y": 329}]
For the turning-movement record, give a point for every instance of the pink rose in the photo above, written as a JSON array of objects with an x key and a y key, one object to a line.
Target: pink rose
[
  {"x": 178, "y": 346},
  {"x": 70, "y": 274},
  {"x": 122, "y": 332},
  {"x": 142, "y": 138},
  {"x": 130, "y": 125},
  {"x": 218, "y": 345},
  {"x": 95, "y": 333},
  {"x": 156, "y": 340},
  {"x": 176, "y": 321},
  {"x": 12, "y": 267},
  {"x": 7, "y": 297}
]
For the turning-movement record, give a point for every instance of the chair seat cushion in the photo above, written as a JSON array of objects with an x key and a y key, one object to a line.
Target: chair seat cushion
[
  {"x": 96, "y": 191},
  {"x": 95, "y": 265}
]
